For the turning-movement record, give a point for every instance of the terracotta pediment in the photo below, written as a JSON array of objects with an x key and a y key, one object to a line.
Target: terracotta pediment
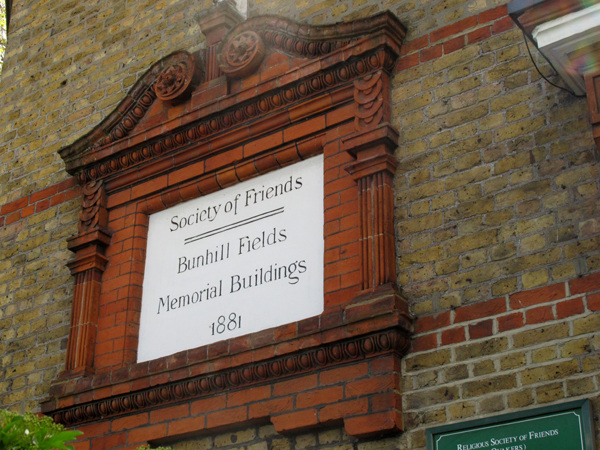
[{"x": 269, "y": 64}]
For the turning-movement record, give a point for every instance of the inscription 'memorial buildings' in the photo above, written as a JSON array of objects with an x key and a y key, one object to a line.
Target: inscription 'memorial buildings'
[{"x": 292, "y": 224}]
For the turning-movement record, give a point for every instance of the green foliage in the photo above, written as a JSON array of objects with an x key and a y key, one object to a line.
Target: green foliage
[{"x": 30, "y": 432}]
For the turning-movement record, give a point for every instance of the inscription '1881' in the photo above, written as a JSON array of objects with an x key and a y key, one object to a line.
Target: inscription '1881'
[{"x": 254, "y": 250}]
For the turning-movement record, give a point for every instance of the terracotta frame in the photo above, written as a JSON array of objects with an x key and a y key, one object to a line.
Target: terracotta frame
[{"x": 186, "y": 130}]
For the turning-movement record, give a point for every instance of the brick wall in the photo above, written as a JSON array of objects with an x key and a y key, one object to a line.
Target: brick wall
[{"x": 497, "y": 202}]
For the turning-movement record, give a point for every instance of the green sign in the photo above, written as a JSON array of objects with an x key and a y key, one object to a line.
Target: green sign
[{"x": 559, "y": 427}]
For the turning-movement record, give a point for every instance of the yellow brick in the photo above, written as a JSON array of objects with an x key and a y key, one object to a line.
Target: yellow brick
[
  {"x": 504, "y": 286},
  {"x": 550, "y": 392},
  {"x": 541, "y": 335}
]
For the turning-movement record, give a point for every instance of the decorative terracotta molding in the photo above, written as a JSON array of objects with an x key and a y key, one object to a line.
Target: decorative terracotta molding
[
  {"x": 369, "y": 98},
  {"x": 130, "y": 111},
  {"x": 146, "y": 157},
  {"x": 93, "y": 215},
  {"x": 231, "y": 117},
  {"x": 177, "y": 80},
  {"x": 393, "y": 341},
  {"x": 242, "y": 54},
  {"x": 87, "y": 267},
  {"x": 374, "y": 172},
  {"x": 306, "y": 42},
  {"x": 215, "y": 23},
  {"x": 303, "y": 41},
  {"x": 373, "y": 146}
]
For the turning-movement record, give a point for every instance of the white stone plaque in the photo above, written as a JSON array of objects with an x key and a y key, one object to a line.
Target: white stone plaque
[{"x": 238, "y": 261}]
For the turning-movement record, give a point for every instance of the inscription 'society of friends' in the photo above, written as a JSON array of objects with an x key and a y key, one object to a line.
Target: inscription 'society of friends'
[{"x": 217, "y": 264}]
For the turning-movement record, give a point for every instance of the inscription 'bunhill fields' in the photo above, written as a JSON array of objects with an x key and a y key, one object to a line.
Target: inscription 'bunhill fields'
[{"x": 241, "y": 260}]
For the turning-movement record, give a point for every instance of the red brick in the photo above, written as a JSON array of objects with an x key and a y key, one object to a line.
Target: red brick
[
  {"x": 586, "y": 284},
  {"x": 81, "y": 445},
  {"x": 536, "y": 296},
  {"x": 295, "y": 421},
  {"x": 224, "y": 159},
  {"x": 295, "y": 385},
  {"x": 414, "y": 45},
  {"x": 386, "y": 401},
  {"x": 407, "y": 62},
  {"x": 248, "y": 396},
  {"x": 431, "y": 53},
  {"x": 127, "y": 423},
  {"x": 510, "y": 322},
  {"x": 309, "y": 108},
  {"x": 265, "y": 409},
  {"x": 27, "y": 211},
  {"x": 343, "y": 266},
  {"x": 454, "y": 44},
  {"x": 188, "y": 172},
  {"x": 452, "y": 29},
  {"x": 72, "y": 193},
  {"x": 109, "y": 442},
  {"x": 569, "y": 308},
  {"x": 342, "y": 374},
  {"x": 453, "y": 336},
  {"x": 210, "y": 404},
  {"x": 432, "y": 322},
  {"x": 170, "y": 413},
  {"x": 594, "y": 302},
  {"x": 66, "y": 184},
  {"x": 304, "y": 128},
  {"x": 385, "y": 365},
  {"x": 12, "y": 218},
  {"x": 339, "y": 410},
  {"x": 339, "y": 115},
  {"x": 144, "y": 434},
  {"x": 187, "y": 425},
  {"x": 43, "y": 194},
  {"x": 372, "y": 385},
  {"x": 540, "y": 314},
  {"x": 492, "y": 14},
  {"x": 479, "y": 35},
  {"x": 424, "y": 343},
  {"x": 95, "y": 429},
  {"x": 319, "y": 397},
  {"x": 57, "y": 199},
  {"x": 481, "y": 329},
  {"x": 502, "y": 25},
  {"x": 227, "y": 417},
  {"x": 14, "y": 206},
  {"x": 480, "y": 310}
]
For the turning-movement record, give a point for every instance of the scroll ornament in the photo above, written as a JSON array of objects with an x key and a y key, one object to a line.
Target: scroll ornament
[
  {"x": 368, "y": 95},
  {"x": 93, "y": 215}
]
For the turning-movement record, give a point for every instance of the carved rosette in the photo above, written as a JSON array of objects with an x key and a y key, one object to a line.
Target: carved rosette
[
  {"x": 177, "y": 80},
  {"x": 242, "y": 54}
]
